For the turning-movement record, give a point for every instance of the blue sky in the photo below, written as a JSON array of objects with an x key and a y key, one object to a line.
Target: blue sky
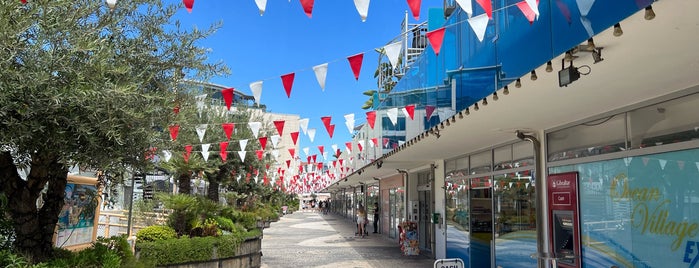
[{"x": 285, "y": 40}]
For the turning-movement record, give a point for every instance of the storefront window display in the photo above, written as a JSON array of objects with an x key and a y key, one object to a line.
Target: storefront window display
[
  {"x": 639, "y": 211},
  {"x": 515, "y": 219},
  {"x": 397, "y": 210}
]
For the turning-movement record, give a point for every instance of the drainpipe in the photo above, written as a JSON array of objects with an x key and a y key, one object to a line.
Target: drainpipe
[
  {"x": 542, "y": 244},
  {"x": 404, "y": 174}
]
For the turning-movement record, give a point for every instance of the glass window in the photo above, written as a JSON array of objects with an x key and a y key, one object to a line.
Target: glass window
[
  {"x": 601, "y": 136},
  {"x": 502, "y": 157},
  {"x": 668, "y": 122},
  {"x": 481, "y": 162},
  {"x": 515, "y": 219},
  {"x": 523, "y": 154}
]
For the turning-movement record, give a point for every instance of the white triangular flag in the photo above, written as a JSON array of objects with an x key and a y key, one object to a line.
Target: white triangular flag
[
  {"x": 349, "y": 117},
  {"x": 393, "y": 52},
  {"x": 262, "y": 5},
  {"x": 372, "y": 144},
  {"x": 393, "y": 115},
  {"x": 583, "y": 5},
  {"x": 350, "y": 126},
  {"x": 275, "y": 153},
  {"x": 275, "y": 140},
  {"x": 325, "y": 157},
  {"x": 400, "y": 143},
  {"x": 360, "y": 144},
  {"x": 201, "y": 130},
  {"x": 256, "y": 88},
  {"x": 321, "y": 72},
  {"x": 442, "y": 115},
  {"x": 303, "y": 124},
  {"x": 255, "y": 128},
  {"x": 334, "y": 146},
  {"x": 479, "y": 24},
  {"x": 311, "y": 134},
  {"x": 243, "y": 144},
  {"x": 627, "y": 161},
  {"x": 167, "y": 155},
  {"x": 242, "y": 155},
  {"x": 467, "y": 6},
  {"x": 348, "y": 149},
  {"x": 205, "y": 147},
  {"x": 205, "y": 155},
  {"x": 200, "y": 103},
  {"x": 306, "y": 150},
  {"x": 362, "y": 7},
  {"x": 662, "y": 163}
]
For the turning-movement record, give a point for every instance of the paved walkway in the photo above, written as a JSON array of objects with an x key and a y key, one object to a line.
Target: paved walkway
[{"x": 309, "y": 239}]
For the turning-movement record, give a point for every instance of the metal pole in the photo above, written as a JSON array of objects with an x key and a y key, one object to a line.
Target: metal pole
[
  {"x": 542, "y": 244},
  {"x": 133, "y": 188}
]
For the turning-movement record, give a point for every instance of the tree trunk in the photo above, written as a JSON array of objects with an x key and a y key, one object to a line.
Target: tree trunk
[
  {"x": 215, "y": 179},
  {"x": 34, "y": 227},
  {"x": 183, "y": 183},
  {"x": 212, "y": 191}
]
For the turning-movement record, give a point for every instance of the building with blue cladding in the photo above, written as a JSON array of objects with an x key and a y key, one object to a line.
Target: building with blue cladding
[{"x": 595, "y": 163}]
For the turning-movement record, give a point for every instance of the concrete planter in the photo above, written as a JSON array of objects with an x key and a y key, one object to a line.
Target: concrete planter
[{"x": 248, "y": 255}]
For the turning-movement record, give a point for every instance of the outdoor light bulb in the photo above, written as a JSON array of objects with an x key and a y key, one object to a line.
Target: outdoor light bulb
[
  {"x": 467, "y": 112},
  {"x": 518, "y": 83},
  {"x": 617, "y": 30},
  {"x": 475, "y": 106},
  {"x": 506, "y": 90},
  {"x": 549, "y": 67},
  {"x": 650, "y": 14},
  {"x": 111, "y": 3},
  {"x": 533, "y": 76},
  {"x": 461, "y": 114},
  {"x": 495, "y": 96},
  {"x": 485, "y": 101}
]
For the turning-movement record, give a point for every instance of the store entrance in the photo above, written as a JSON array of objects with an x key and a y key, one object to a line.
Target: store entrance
[
  {"x": 424, "y": 224},
  {"x": 481, "y": 234}
]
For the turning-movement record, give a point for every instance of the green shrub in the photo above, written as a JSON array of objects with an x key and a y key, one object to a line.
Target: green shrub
[
  {"x": 179, "y": 250},
  {"x": 119, "y": 245},
  {"x": 99, "y": 255},
  {"x": 155, "y": 233}
]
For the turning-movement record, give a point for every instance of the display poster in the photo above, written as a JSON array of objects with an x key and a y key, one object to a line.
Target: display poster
[
  {"x": 640, "y": 211},
  {"x": 76, "y": 222}
]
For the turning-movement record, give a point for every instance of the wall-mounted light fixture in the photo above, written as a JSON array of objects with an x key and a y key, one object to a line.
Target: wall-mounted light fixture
[
  {"x": 533, "y": 76},
  {"x": 495, "y": 96},
  {"x": 506, "y": 90},
  {"x": 617, "y": 30},
  {"x": 518, "y": 83},
  {"x": 597, "y": 55},
  {"x": 650, "y": 14},
  {"x": 467, "y": 111},
  {"x": 475, "y": 106},
  {"x": 549, "y": 67},
  {"x": 379, "y": 164},
  {"x": 485, "y": 101}
]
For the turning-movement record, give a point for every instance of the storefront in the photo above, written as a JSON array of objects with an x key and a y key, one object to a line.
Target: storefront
[
  {"x": 638, "y": 184},
  {"x": 393, "y": 202}
]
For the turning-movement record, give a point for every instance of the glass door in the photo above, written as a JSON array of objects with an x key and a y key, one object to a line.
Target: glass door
[{"x": 481, "y": 222}]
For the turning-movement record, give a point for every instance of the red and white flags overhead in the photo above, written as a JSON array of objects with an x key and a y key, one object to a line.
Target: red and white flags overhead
[
  {"x": 201, "y": 131},
  {"x": 362, "y": 7},
  {"x": 530, "y": 9},
  {"x": 415, "y": 8},
  {"x": 262, "y": 5},
  {"x": 321, "y": 72},
  {"x": 392, "y": 115},
  {"x": 189, "y": 4},
  {"x": 174, "y": 130},
  {"x": 466, "y": 5},
  {"x": 205, "y": 151},
  {"x": 222, "y": 150},
  {"x": 255, "y": 128},
  {"x": 279, "y": 124},
  {"x": 429, "y": 109},
  {"x": 227, "y": 94},
  {"x": 393, "y": 52},
  {"x": 355, "y": 62},
  {"x": 349, "y": 122},
  {"x": 303, "y": 124},
  {"x": 487, "y": 6},
  {"x": 228, "y": 129},
  {"x": 371, "y": 118},
  {"x": 256, "y": 88},
  {"x": 436, "y": 37},
  {"x": 479, "y": 24},
  {"x": 288, "y": 82},
  {"x": 307, "y": 7},
  {"x": 409, "y": 111},
  {"x": 110, "y": 3},
  {"x": 311, "y": 134}
]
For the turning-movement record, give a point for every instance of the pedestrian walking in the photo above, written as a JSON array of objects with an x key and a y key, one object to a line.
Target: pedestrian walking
[{"x": 376, "y": 217}]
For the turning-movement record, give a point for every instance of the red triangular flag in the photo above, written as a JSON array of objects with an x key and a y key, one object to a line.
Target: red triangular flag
[
  {"x": 436, "y": 37},
  {"x": 189, "y": 4},
  {"x": 280, "y": 126},
  {"x": 429, "y": 109},
  {"x": 288, "y": 163},
  {"x": 355, "y": 62},
  {"x": 187, "y": 153},
  {"x": 294, "y": 136},
  {"x": 288, "y": 81},
  {"x": 314, "y": 158},
  {"x": 375, "y": 141},
  {"x": 292, "y": 152},
  {"x": 259, "y": 153},
  {"x": 222, "y": 147},
  {"x": 359, "y": 145},
  {"x": 174, "y": 130},
  {"x": 349, "y": 145},
  {"x": 223, "y": 155},
  {"x": 265, "y": 180},
  {"x": 320, "y": 148},
  {"x": 263, "y": 142},
  {"x": 487, "y": 6},
  {"x": 415, "y": 8},
  {"x": 385, "y": 142},
  {"x": 527, "y": 11},
  {"x": 307, "y": 7},
  {"x": 228, "y": 129},
  {"x": 331, "y": 130},
  {"x": 227, "y": 94},
  {"x": 176, "y": 109},
  {"x": 371, "y": 118},
  {"x": 24, "y": 1},
  {"x": 326, "y": 120},
  {"x": 411, "y": 111}
]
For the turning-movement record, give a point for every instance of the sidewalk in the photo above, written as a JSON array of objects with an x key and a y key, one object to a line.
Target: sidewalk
[{"x": 309, "y": 239}]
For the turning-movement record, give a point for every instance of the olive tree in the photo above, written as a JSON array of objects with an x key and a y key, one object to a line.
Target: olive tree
[{"x": 86, "y": 85}]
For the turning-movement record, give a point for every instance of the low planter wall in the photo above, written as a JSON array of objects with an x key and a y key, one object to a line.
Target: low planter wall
[{"x": 248, "y": 255}]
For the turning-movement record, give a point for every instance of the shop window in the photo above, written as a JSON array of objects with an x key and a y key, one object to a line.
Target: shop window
[
  {"x": 523, "y": 154},
  {"x": 481, "y": 162},
  {"x": 601, "y": 136},
  {"x": 502, "y": 157},
  {"x": 664, "y": 123}
]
